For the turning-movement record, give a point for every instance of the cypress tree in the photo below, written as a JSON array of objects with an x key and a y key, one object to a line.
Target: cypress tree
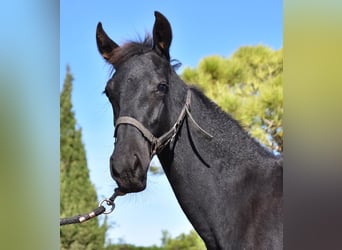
[{"x": 77, "y": 193}]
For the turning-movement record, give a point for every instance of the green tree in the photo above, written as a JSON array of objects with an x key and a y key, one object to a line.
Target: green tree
[
  {"x": 248, "y": 85},
  {"x": 77, "y": 193},
  {"x": 189, "y": 241},
  {"x": 131, "y": 247}
]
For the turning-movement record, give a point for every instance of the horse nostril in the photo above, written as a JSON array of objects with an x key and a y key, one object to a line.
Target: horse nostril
[
  {"x": 136, "y": 163},
  {"x": 115, "y": 173}
]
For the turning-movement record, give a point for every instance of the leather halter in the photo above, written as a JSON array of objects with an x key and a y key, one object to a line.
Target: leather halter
[{"x": 158, "y": 143}]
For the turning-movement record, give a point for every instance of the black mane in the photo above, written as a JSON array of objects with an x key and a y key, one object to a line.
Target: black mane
[
  {"x": 134, "y": 48},
  {"x": 131, "y": 48}
]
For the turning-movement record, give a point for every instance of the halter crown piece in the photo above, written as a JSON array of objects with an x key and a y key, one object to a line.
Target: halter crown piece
[{"x": 158, "y": 143}]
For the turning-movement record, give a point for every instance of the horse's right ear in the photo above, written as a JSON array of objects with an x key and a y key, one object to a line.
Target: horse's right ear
[{"x": 105, "y": 45}]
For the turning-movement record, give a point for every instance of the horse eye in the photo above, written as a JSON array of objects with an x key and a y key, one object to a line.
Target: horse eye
[{"x": 163, "y": 88}]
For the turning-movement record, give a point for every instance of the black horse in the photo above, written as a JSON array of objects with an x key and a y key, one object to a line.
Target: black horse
[{"x": 228, "y": 185}]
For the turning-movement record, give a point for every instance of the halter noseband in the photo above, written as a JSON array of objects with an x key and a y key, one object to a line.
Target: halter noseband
[{"x": 158, "y": 143}]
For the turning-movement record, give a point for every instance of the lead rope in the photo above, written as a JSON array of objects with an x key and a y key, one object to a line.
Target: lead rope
[{"x": 94, "y": 213}]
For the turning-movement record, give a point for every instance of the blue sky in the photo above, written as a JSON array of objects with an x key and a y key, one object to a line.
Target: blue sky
[{"x": 200, "y": 28}]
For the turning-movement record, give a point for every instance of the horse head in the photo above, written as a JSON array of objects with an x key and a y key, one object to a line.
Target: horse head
[{"x": 139, "y": 90}]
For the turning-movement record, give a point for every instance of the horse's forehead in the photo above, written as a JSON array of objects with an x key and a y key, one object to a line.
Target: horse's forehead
[
  {"x": 137, "y": 61},
  {"x": 143, "y": 63}
]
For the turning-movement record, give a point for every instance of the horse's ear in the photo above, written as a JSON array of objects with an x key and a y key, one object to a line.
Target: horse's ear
[
  {"x": 105, "y": 45},
  {"x": 162, "y": 35}
]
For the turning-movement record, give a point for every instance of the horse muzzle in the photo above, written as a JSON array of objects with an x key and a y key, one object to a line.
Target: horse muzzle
[{"x": 129, "y": 164}]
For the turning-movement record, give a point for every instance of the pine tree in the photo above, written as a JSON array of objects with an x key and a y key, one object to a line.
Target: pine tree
[
  {"x": 247, "y": 85},
  {"x": 77, "y": 193}
]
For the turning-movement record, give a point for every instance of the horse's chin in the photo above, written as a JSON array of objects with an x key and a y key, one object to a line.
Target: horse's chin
[
  {"x": 131, "y": 188},
  {"x": 118, "y": 192}
]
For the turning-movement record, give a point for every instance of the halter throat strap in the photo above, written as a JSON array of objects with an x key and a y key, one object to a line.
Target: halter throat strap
[{"x": 158, "y": 143}]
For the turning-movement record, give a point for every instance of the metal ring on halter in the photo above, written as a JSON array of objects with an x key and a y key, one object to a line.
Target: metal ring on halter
[{"x": 109, "y": 203}]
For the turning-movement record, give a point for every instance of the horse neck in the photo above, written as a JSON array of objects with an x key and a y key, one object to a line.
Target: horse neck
[
  {"x": 217, "y": 176},
  {"x": 230, "y": 141}
]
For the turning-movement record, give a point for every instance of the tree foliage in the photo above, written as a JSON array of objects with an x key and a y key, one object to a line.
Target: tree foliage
[
  {"x": 190, "y": 241},
  {"x": 124, "y": 246},
  {"x": 248, "y": 85},
  {"x": 77, "y": 194}
]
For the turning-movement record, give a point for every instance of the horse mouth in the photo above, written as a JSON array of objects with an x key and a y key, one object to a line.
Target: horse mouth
[{"x": 130, "y": 186}]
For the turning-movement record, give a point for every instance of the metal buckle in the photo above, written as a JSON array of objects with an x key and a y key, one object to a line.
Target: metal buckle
[{"x": 109, "y": 203}]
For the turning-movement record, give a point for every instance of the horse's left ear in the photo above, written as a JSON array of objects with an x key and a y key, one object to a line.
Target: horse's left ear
[
  {"x": 105, "y": 45},
  {"x": 162, "y": 35}
]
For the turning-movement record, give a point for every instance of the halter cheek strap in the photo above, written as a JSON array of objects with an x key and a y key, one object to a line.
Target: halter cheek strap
[{"x": 158, "y": 143}]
